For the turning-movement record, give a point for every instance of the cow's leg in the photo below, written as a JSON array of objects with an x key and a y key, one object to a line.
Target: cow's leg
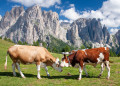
[
  {"x": 84, "y": 68},
  {"x": 38, "y": 70},
  {"x": 46, "y": 69},
  {"x": 108, "y": 68},
  {"x": 13, "y": 67},
  {"x": 18, "y": 67},
  {"x": 80, "y": 70},
  {"x": 102, "y": 67}
]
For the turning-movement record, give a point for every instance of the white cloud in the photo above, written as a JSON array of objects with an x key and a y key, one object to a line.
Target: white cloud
[
  {"x": 0, "y": 17},
  {"x": 113, "y": 31},
  {"x": 15, "y": 6},
  {"x": 72, "y": 5},
  {"x": 65, "y": 21},
  {"x": 42, "y": 3},
  {"x": 57, "y": 7},
  {"x": 109, "y": 13},
  {"x": 70, "y": 13}
]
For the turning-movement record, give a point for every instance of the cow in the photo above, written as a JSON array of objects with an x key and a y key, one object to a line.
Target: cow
[
  {"x": 32, "y": 55},
  {"x": 94, "y": 56}
]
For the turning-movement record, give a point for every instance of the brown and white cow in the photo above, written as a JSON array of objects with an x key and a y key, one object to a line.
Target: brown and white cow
[
  {"x": 32, "y": 55},
  {"x": 88, "y": 57}
]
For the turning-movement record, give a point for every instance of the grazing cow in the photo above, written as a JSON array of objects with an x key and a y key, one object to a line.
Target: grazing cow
[
  {"x": 32, "y": 55},
  {"x": 88, "y": 57}
]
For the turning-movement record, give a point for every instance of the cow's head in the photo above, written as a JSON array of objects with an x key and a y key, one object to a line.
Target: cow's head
[
  {"x": 56, "y": 65},
  {"x": 65, "y": 61}
]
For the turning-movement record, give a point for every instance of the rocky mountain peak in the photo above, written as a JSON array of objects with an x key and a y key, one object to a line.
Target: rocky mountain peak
[
  {"x": 10, "y": 19},
  {"x": 34, "y": 24}
]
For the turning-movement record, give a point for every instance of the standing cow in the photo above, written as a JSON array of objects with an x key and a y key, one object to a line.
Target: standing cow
[
  {"x": 32, "y": 55},
  {"x": 88, "y": 57}
]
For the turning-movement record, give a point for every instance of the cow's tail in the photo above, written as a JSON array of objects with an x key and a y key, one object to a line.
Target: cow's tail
[{"x": 5, "y": 65}]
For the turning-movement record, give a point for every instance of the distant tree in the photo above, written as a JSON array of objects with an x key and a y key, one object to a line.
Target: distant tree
[
  {"x": 44, "y": 44},
  {"x": 112, "y": 53},
  {"x": 36, "y": 43},
  {"x": 82, "y": 47},
  {"x": 19, "y": 42},
  {"x": 118, "y": 54},
  {"x": 25, "y": 43},
  {"x": 5, "y": 38},
  {"x": 65, "y": 49},
  {"x": 54, "y": 50}
]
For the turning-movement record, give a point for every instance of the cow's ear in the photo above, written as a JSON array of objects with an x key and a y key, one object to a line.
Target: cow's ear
[{"x": 64, "y": 55}]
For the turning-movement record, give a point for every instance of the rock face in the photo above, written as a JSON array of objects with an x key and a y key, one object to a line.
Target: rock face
[
  {"x": 32, "y": 25},
  {"x": 10, "y": 19},
  {"x": 117, "y": 37},
  {"x": 88, "y": 30}
]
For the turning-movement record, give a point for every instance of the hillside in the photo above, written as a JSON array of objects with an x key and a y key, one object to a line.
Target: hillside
[{"x": 56, "y": 78}]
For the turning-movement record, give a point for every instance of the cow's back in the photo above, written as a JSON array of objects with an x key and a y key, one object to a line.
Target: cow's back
[
  {"x": 95, "y": 53},
  {"x": 27, "y": 53}
]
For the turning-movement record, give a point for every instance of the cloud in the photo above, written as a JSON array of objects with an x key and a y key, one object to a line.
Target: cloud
[
  {"x": 70, "y": 13},
  {"x": 42, "y": 3},
  {"x": 0, "y": 17},
  {"x": 15, "y": 6},
  {"x": 65, "y": 21},
  {"x": 113, "y": 31},
  {"x": 72, "y": 5},
  {"x": 109, "y": 13},
  {"x": 57, "y": 7}
]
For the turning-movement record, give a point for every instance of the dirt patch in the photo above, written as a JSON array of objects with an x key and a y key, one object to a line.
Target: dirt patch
[{"x": 118, "y": 72}]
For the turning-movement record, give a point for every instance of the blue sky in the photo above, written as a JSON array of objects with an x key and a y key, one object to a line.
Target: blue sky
[{"x": 69, "y": 10}]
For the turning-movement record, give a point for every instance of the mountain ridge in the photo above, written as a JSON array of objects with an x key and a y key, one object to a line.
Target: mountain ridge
[{"x": 34, "y": 24}]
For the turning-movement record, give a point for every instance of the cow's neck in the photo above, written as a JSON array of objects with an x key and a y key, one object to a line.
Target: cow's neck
[
  {"x": 50, "y": 62},
  {"x": 72, "y": 59}
]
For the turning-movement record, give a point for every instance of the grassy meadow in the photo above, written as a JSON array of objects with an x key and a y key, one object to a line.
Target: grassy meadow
[{"x": 56, "y": 78}]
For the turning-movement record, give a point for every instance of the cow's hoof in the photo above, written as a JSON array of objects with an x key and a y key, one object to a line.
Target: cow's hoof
[
  {"x": 14, "y": 75},
  {"x": 107, "y": 78},
  {"x": 40, "y": 78},
  {"x": 79, "y": 78},
  {"x": 86, "y": 75},
  {"x": 48, "y": 75},
  {"x": 99, "y": 76},
  {"x": 24, "y": 77}
]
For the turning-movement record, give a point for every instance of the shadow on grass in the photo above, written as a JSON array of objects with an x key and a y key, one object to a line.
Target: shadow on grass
[
  {"x": 10, "y": 74},
  {"x": 18, "y": 75},
  {"x": 68, "y": 77}
]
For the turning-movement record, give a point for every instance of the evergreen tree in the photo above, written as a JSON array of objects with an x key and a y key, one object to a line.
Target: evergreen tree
[
  {"x": 19, "y": 42},
  {"x": 82, "y": 47}
]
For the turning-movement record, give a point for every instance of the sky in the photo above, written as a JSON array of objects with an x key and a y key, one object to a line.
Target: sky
[{"x": 70, "y": 10}]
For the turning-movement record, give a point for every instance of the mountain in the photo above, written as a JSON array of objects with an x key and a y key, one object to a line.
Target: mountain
[
  {"x": 34, "y": 24},
  {"x": 31, "y": 25},
  {"x": 88, "y": 30},
  {"x": 117, "y": 36},
  {"x": 10, "y": 19}
]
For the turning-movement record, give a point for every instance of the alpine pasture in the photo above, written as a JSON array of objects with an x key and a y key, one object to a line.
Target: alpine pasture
[{"x": 66, "y": 78}]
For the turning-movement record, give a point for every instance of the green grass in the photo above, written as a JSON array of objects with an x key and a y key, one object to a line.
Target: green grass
[{"x": 56, "y": 78}]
